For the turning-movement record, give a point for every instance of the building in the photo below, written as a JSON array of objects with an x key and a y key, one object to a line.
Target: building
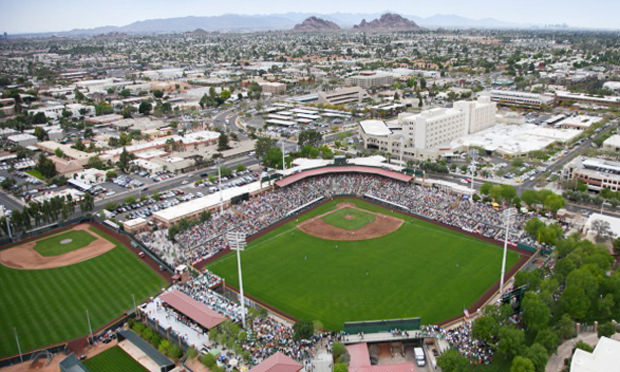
[
  {"x": 23, "y": 139},
  {"x": 136, "y": 225},
  {"x": 427, "y": 134},
  {"x": 7, "y": 106},
  {"x": 370, "y": 79},
  {"x": 578, "y": 122},
  {"x": 343, "y": 95},
  {"x": 605, "y": 357},
  {"x": 568, "y": 97},
  {"x": 519, "y": 99},
  {"x": 277, "y": 362},
  {"x": 480, "y": 114},
  {"x": 271, "y": 87},
  {"x": 598, "y": 174},
  {"x": 612, "y": 144}
]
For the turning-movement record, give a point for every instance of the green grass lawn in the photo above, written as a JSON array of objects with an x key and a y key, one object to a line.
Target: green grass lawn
[
  {"x": 49, "y": 306},
  {"x": 419, "y": 270},
  {"x": 36, "y": 173},
  {"x": 359, "y": 218},
  {"x": 52, "y": 247},
  {"x": 113, "y": 360}
]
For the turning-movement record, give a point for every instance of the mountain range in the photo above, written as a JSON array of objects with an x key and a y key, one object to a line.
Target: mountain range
[{"x": 275, "y": 22}]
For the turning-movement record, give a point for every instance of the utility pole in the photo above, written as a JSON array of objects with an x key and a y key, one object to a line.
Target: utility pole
[
  {"x": 236, "y": 241},
  {"x": 508, "y": 213}
]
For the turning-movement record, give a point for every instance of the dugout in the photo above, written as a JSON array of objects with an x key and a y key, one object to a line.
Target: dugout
[
  {"x": 385, "y": 325},
  {"x": 143, "y": 352}
]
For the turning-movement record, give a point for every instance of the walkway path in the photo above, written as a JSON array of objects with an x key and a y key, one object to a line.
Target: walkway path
[{"x": 556, "y": 361}]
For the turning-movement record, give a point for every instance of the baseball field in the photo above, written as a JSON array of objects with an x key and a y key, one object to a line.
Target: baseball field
[
  {"x": 49, "y": 305},
  {"x": 353, "y": 272},
  {"x": 113, "y": 360}
]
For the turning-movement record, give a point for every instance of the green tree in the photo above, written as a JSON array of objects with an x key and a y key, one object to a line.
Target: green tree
[
  {"x": 521, "y": 364},
  {"x": 575, "y": 302},
  {"x": 341, "y": 367},
  {"x": 303, "y": 329},
  {"x": 46, "y": 166},
  {"x": 511, "y": 342},
  {"x": 309, "y": 138},
  {"x": 529, "y": 197},
  {"x": 158, "y": 93},
  {"x": 95, "y": 162},
  {"x": 553, "y": 203},
  {"x": 273, "y": 158},
  {"x": 262, "y": 146},
  {"x": 535, "y": 313},
  {"x": 39, "y": 118},
  {"x": 124, "y": 159},
  {"x": 222, "y": 142},
  {"x": 485, "y": 188},
  {"x": 538, "y": 355},
  {"x": 124, "y": 93},
  {"x": 453, "y": 361},
  {"x": 145, "y": 108},
  {"x": 565, "y": 327},
  {"x": 40, "y": 133},
  {"x": 606, "y": 329},
  {"x": 59, "y": 153}
]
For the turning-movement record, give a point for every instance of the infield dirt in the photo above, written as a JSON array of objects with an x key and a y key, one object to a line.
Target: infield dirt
[
  {"x": 25, "y": 257},
  {"x": 382, "y": 225}
]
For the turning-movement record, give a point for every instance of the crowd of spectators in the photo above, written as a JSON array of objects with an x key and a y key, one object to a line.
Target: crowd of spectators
[
  {"x": 460, "y": 338},
  {"x": 265, "y": 336},
  {"x": 207, "y": 239}
]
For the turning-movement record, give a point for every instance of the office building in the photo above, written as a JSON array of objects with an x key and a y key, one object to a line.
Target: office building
[
  {"x": 520, "y": 99},
  {"x": 598, "y": 174},
  {"x": 343, "y": 95},
  {"x": 370, "y": 79}
]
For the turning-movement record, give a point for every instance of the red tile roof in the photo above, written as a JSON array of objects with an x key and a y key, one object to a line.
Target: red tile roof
[
  {"x": 278, "y": 362},
  {"x": 360, "y": 361},
  {"x": 343, "y": 169},
  {"x": 196, "y": 311}
]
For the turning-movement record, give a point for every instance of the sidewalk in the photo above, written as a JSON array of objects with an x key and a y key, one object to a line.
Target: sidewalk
[{"x": 556, "y": 361}]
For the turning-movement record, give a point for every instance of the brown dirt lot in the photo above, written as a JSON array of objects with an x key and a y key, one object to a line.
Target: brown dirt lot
[
  {"x": 382, "y": 225},
  {"x": 25, "y": 257}
]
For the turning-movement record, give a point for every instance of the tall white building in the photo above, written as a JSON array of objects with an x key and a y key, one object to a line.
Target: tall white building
[
  {"x": 480, "y": 114},
  {"x": 427, "y": 134}
]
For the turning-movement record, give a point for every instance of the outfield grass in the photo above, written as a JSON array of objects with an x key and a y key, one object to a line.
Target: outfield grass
[
  {"x": 113, "y": 360},
  {"x": 359, "y": 218},
  {"x": 419, "y": 270},
  {"x": 51, "y": 246},
  {"x": 49, "y": 306}
]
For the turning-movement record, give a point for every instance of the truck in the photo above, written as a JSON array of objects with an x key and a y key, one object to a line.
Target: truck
[{"x": 420, "y": 360}]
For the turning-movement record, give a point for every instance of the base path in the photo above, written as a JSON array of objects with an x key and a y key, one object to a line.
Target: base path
[
  {"x": 382, "y": 225},
  {"x": 25, "y": 257}
]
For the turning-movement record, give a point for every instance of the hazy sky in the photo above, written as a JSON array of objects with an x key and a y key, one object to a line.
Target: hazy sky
[{"x": 21, "y": 16}]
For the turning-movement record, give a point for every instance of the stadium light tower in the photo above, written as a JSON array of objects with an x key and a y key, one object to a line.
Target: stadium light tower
[
  {"x": 236, "y": 241},
  {"x": 473, "y": 154},
  {"x": 508, "y": 214}
]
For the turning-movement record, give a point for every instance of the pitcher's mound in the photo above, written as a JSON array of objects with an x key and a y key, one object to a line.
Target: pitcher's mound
[{"x": 382, "y": 225}]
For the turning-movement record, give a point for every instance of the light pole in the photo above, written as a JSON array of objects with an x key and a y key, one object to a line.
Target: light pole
[
  {"x": 236, "y": 241},
  {"x": 90, "y": 328},
  {"x": 283, "y": 163},
  {"x": 473, "y": 154},
  {"x": 219, "y": 176},
  {"x": 19, "y": 347},
  {"x": 508, "y": 213}
]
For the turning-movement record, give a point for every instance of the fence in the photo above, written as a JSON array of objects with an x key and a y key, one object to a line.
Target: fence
[{"x": 15, "y": 359}]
